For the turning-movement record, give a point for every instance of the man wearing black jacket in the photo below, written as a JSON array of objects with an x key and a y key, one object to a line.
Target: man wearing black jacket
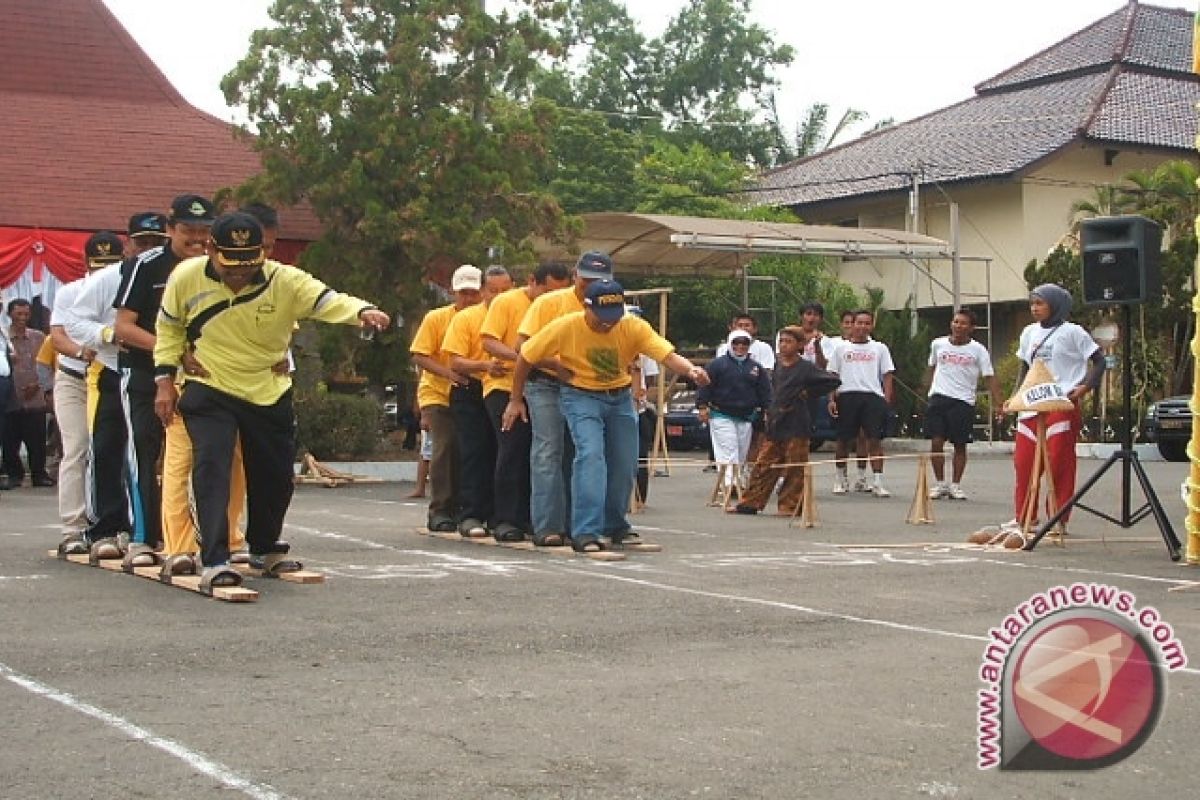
[
  {"x": 739, "y": 390},
  {"x": 788, "y": 426}
]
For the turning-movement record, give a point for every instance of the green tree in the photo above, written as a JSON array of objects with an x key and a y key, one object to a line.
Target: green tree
[
  {"x": 707, "y": 79},
  {"x": 394, "y": 120}
]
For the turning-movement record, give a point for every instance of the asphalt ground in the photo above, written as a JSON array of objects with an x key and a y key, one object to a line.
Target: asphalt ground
[{"x": 749, "y": 659}]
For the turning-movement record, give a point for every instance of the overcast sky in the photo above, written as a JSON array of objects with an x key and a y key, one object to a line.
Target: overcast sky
[{"x": 887, "y": 58}]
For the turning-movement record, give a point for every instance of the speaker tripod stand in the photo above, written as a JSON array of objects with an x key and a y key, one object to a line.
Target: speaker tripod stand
[{"x": 1129, "y": 463}]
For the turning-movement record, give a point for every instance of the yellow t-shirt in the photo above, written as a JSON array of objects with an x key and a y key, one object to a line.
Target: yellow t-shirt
[
  {"x": 502, "y": 323},
  {"x": 463, "y": 340},
  {"x": 433, "y": 390},
  {"x": 47, "y": 356},
  {"x": 547, "y": 308},
  {"x": 598, "y": 360}
]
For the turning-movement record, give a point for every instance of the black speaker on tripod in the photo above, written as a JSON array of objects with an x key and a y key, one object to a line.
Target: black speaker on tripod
[{"x": 1120, "y": 260}]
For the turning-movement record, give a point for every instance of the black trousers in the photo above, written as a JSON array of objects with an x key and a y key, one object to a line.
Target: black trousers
[
  {"x": 476, "y": 452},
  {"x": 647, "y": 422},
  {"x": 28, "y": 427},
  {"x": 146, "y": 432},
  {"x": 106, "y": 470},
  {"x": 511, "y": 479},
  {"x": 215, "y": 421}
]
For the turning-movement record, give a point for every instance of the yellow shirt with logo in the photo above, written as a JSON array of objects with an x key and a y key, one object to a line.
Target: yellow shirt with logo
[
  {"x": 503, "y": 323},
  {"x": 433, "y": 390},
  {"x": 463, "y": 339},
  {"x": 547, "y": 308},
  {"x": 598, "y": 360},
  {"x": 240, "y": 336}
]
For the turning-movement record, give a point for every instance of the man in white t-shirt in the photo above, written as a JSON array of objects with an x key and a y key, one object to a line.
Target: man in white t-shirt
[
  {"x": 760, "y": 351},
  {"x": 1077, "y": 364},
  {"x": 956, "y": 363},
  {"x": 861, "y": 403}
]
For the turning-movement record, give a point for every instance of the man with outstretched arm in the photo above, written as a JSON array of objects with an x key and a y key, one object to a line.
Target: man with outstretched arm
[
  {"x": 238, "y": 309},
  {"x": 591, "y": 351}
]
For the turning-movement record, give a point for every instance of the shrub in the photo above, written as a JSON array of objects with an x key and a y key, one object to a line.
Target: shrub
[{"x": 336, "y": 425}]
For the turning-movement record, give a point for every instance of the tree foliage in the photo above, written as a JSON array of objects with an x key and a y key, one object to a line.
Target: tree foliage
[{"x": 394, "y": 120}]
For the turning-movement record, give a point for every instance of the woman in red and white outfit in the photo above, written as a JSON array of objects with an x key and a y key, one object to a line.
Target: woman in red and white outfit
[{"x": 1077, "y": 364}]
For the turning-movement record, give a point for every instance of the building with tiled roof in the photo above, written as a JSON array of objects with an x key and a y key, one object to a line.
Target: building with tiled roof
[
  {"x": 1115, "y": 97},
  {"x": 94, "y": 132}
]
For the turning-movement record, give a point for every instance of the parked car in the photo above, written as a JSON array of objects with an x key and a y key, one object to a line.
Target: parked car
[
  {"x": 684, "y": 429},
  {"x": 1168, "y": 423}
]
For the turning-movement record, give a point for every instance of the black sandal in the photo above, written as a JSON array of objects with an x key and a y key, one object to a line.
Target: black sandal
[
  {"x": 549, "y": 540},
  {"x": 589, "y": 544}
]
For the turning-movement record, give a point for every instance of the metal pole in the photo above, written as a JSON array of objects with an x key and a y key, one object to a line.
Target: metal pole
[
  {"x": 955, "y": 259},
  {"x": 1127, "y": 389},
  {"x": 914, "y": 221}
]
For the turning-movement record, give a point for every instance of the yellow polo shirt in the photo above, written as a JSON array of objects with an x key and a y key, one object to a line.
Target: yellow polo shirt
[
  {"x": 502, "y": 323},
  {"x": 547, "y": 308},
  {"x": 598, "y": 360},
  {"x": 433, "y": 390},
  {"x": 463, "y": 340},
  {"x": 240, "y": 336}
]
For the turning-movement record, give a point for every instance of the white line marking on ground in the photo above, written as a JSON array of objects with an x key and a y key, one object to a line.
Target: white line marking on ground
[
  {"x": 343, "y": 537},
  {"x": 1083, "y": 571},
  {"x": 23, "y": 577},
  {"x": 196, "y": 761},
  {"x": 816, "y": 612}
]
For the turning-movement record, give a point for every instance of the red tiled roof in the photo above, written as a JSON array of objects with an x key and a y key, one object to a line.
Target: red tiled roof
[{"x": 92, "y": 131}]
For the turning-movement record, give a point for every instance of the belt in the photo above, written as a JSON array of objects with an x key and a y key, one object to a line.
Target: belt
[
  {"x": 608, "y": 392},
  {"x": 74, "y": 373}
]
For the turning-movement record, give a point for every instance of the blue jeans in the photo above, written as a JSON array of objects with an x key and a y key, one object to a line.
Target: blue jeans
[
  {"x": 548, "y": 482},
  {"x": 604, "y": 428}
]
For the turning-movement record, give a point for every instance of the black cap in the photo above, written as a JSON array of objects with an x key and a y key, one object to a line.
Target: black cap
[
  {"x": 594, "y": 265},
  {"x": 238, "y": 239},
  {"x": 147, "y": 223},
  {"x": 103, "y": 248},
  {"x": 192, "y": 209}
]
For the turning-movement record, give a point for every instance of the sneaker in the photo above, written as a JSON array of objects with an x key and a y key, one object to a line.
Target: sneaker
[
  {"x": 879, "y": 490},
  {"x": 956, "y": 493},
  {"x": 861, "y": 485},
  {"x": 840, "y": 487},
  {"x": 939, "y": 491}
]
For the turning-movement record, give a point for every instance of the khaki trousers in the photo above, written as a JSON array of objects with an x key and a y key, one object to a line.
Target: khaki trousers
[
  {"x": 178, "y": 524},
  {"x": 70, "y": 409}
]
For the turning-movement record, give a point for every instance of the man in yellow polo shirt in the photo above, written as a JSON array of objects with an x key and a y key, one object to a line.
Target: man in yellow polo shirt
[
  {"x": 433, "y": 396},
  {"x": 591, "y": 352},
  {"x": 500, "y": 333},
  {"x": 238, "y": 310},
  {"x": 550, "y": 453},
  {"x": 476, "y": 442}
]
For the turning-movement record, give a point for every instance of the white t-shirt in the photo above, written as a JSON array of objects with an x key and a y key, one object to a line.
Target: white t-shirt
[
  {"x": 862, "y": 366},
  {"x": 957, "y": 368},
  {"x": 1064, "y": 349},
  {"x": 760, "y": 351}
]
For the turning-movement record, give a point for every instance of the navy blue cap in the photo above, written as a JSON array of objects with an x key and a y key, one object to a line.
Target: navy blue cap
[
  {"x": 607, "y": 299},
  {"x": 594, "y": 265}
]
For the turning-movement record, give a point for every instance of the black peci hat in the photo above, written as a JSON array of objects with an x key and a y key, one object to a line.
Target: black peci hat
[
  {"x": 103, "y": 248},
  {"x": 238, "y": 239}
]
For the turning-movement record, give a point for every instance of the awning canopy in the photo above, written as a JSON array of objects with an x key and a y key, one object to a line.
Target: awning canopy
[{"x": 654, "y": 244}]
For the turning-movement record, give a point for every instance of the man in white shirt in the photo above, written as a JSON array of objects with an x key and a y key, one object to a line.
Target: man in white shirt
[
  {"x": 102, "y": 249},
  {"x": 760, "y": 351},
  {"x": 861, "y": 403},
  {"x": 956, "y": 363},
  {"x": 90, "y": 322}
]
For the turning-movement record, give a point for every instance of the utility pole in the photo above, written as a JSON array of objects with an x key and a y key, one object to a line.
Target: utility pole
[{"x": 914, "y": 222}]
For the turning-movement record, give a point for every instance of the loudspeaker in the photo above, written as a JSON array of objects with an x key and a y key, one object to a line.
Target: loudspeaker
[{"x": 1120, "y": 260}]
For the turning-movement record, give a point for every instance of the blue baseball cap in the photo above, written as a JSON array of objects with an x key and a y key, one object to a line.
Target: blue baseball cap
[{"x": 607, "y": 299}]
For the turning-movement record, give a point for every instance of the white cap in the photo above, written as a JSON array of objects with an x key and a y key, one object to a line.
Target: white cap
[
  {"x": 466, "y": 277},
  {"x": 738, "y": 334}
]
